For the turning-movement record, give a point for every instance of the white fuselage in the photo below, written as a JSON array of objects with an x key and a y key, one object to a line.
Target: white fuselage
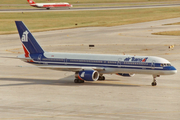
[
  {"x": 49, "y": 5},
  {"x": 109, "y": 63}
]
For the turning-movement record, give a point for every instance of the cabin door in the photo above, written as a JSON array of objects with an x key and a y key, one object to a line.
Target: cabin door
[
  {"x": 119, "y": 62},
  {"x": 153, "y": 64},
  {"x": 40, "y": 57},
  {"x": 65, "y": 61}
]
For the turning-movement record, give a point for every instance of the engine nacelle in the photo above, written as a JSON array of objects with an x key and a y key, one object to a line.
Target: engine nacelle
[
  {"x": 87, "y": 75},
  {"x": 125, "y": 74}
]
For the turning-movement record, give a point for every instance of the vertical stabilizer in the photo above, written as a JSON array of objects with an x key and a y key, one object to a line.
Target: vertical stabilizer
[
  {"x": 30, "y": 45},
  {"x": 31, "y": 2}
]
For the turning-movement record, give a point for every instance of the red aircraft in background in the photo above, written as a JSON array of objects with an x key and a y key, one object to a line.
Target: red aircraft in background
[{"x": 48, "y": 5}]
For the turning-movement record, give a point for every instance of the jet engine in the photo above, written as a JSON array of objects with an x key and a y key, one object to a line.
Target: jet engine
[
  {"x": 87, "y": 75},
  {"x": 125, "y": 74}
]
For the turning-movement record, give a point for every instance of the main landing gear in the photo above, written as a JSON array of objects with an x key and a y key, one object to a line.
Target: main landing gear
[
  {"x": 101, "y": 77},
  {"x": 154, "y": 83},
  {"x": 78, "y": 81}
]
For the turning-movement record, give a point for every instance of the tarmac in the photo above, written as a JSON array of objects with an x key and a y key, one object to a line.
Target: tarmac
[{"x": 28, "y": 93}]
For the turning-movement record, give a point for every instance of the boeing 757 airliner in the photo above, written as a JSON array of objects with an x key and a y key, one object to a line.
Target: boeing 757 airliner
[
  {"x": 91, "y": 67},
  {"x": 48, "y": 5}
]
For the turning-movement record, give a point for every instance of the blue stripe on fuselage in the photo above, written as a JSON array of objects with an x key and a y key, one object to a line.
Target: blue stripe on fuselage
[{"x": 41, "y": 59}]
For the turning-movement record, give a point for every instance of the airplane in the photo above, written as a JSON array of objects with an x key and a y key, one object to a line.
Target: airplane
[
  {"x": 91, "y": 67},
  {"x": 48, "y": 5}
]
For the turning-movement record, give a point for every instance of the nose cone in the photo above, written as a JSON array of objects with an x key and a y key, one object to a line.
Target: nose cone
[
  {"x": 70, "y": 5},
  {"x": 170, "y": 70},
  {"x": 173, "y": 70}
]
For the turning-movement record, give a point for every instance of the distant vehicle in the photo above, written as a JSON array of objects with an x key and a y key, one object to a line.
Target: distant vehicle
[
  {"x": 49, "y": 5},
  {"x": 91, "y": 67}
]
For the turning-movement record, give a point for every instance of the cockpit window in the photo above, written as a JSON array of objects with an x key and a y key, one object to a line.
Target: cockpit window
[
  {"x": 168, "y": 64},
  {"x": 165, "y": 64}
]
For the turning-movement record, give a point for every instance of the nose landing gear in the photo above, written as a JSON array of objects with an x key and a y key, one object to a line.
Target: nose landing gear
[{"x": 154, "y": 83}]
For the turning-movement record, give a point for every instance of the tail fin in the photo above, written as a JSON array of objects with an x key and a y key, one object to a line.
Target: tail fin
[
  {"x": 29, "y": 43},
  {"x": 31, "y": 2}
]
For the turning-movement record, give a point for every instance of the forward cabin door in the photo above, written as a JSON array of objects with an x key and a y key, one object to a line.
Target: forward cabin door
[
  {"x": 153, "y": 64},
  {"x": 119, "y": 62}
]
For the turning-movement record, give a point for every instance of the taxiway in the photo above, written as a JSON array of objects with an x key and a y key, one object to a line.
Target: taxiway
[{"x": 33, "y": 93}]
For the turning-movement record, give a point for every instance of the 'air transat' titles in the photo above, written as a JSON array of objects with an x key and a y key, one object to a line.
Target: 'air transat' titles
[{"x": 134, "y": 59}]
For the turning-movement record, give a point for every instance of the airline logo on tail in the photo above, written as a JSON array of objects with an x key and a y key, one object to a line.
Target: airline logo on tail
[{"x": 25, "y": 36}]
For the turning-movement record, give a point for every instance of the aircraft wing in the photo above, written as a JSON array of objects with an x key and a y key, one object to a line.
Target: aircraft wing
[
  {"x": 59, "y": 68},
  {"x": 68, "y": 68}
]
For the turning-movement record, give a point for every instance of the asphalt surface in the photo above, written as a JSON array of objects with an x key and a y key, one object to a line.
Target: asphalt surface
[{"x": 28, "y": 93}]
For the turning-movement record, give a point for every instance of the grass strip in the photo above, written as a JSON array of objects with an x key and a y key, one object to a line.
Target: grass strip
[
  {"x": 173, "y": 33},
  {"x": 178, "y": 23},
  {"x": 81, "y": 1},
  {"x": 43, "y": 21}
]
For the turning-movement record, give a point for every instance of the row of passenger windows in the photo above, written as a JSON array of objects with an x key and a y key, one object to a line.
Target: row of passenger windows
[
  {"x": 87, "y": 61},
  {"x": 135, "y": 63},
  {"x": 95, "y": 61},
  {"x": 52, "y": 59}
]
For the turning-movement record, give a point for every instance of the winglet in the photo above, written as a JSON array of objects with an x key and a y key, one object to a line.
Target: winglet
[{"x": 30, "y": 45}]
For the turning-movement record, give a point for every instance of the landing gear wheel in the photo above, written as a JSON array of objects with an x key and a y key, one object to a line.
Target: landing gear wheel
[
  {"x": 81, "y": 81},
  {"x": 75, "y": 80},
  {"x": 101, "y": 78},
  {"x": 78, "y": 81},
  {"x": 153, "y": 83}
]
